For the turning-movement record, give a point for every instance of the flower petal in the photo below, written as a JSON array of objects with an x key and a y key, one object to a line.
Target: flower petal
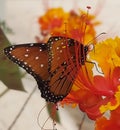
[
  {"x": 113, "y": 123},
  {"x": 116, "y": 76},
  {"x": 103, "y": 86}
]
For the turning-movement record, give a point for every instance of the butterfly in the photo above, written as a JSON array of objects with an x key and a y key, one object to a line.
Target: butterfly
[{"x": 54, "y": 64}]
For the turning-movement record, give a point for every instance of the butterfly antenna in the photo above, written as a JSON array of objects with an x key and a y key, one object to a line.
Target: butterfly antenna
[
  {"x": 96, "y": 37},
  {"x": 90, "y": 45},
  {"x": 91, "y": 62}
]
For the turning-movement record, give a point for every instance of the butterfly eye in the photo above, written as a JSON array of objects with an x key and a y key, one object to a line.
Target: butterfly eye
[
  {"x": 52, "y": 64},
  {"x": 90, "y": 47}
]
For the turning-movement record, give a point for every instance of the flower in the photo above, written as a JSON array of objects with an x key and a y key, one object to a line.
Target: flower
[
  {"x": 95, "y": 94},
  {"x": 80, "y": 26},
  {"x": 107, "y": 54},
  {"x": 113, "y": 123},
  {"x": 52, "y": 20},
  {"x": 109, "y": 87},
  {"x": 76, "y": 25}
]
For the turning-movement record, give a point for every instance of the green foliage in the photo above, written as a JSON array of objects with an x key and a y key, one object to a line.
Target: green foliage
[
  {"x": 4, "y": 27},
  {"x": 9, "y": 72}
]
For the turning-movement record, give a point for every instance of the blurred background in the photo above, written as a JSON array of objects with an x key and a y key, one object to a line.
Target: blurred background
[{"x": 21, "y": 19}]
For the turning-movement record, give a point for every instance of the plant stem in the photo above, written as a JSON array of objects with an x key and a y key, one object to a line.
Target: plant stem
[{"x": 81, "y": 123}]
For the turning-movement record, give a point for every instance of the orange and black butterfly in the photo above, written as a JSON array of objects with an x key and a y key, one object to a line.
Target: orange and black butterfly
[{"x": 54, "y": 64}]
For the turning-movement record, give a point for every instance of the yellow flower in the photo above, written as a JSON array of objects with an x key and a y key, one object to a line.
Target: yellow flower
[
  {"x": 113, "y": 104},
  {"x": 107, "y": 54}
]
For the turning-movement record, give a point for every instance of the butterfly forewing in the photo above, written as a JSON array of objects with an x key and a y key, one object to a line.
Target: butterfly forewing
[
  {"x": 62, "y": 50},
  {"x": 62, "y": 64},
  {"x": 32, "y": 57}
]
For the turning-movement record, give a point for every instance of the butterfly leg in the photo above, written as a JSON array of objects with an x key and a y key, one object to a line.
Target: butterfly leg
[{"x": 91, "y": 62}]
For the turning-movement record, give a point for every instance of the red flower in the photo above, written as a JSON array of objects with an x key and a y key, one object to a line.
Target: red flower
[
  {"x": 113, "y": 123},
  {"x": 96, "y": 94}
]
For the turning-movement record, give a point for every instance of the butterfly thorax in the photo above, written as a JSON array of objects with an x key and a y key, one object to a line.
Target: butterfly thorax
[{"x": 83, "y": 50}]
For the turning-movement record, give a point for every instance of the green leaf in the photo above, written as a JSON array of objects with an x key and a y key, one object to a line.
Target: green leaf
[
  {"x": 9, "y": 72},
  {"x": 4, "y": 27},
  {"x": 53, "y": 113}
]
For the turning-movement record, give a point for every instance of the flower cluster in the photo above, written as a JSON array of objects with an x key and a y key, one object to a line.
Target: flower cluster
[
  {"x": 77, "y": 25},
  {"x": 94, "y": 93},
  {"x": 113, "y": 123}
]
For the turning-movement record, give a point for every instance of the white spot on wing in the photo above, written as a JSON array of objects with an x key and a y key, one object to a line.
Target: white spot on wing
[
  {"x": 27, "y": 50},
  {"x": 23, "y": 66},
  {"x": 26, "y": 55},
  {"x": 36, "y": 57},
  {"x": 13, "y": 56},
  {"x": 30, "y": 66},
  {"x": 25, "y": 63},
  {"x": 40, "y": 49},
  {"x": 41, "y": 65},
  {"x": 51, "y": 42},
  {"x": 56, "y": 39},
  {"x": 11, "y": 48},
  {"x": 31, "y": 44},
  {"x": 60, "y": 51},
  {"x": 58, "y": 48}
]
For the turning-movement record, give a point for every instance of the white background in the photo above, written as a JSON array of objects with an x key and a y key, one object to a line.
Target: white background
[{"x": 21, "y": 16}]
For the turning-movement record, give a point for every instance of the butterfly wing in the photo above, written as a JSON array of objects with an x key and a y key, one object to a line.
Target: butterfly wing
[
  {"x": 62, "y": 64},
  {"x": 32, "y": 57},
  {"x": 53, "y": 65}
]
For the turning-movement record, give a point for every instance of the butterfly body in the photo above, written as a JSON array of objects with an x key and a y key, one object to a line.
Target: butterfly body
[{"x": 54, "y": 64}]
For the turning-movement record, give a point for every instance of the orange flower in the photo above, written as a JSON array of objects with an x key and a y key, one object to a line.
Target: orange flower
[
  {"x": 79, "y": 26},
  {"x": 53, "y": 19}
]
